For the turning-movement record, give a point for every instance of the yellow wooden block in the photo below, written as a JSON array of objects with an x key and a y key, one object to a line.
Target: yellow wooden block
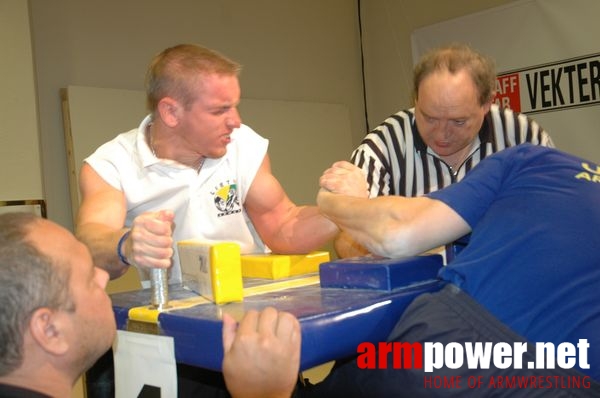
[
  {"x": 276, "y": 266},
  {"x": 212, "y": 269}
]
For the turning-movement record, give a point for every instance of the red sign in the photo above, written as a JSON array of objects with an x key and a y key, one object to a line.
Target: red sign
[{"x": 508, "y": 94}]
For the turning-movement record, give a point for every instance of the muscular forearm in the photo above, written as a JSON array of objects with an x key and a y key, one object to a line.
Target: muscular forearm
[
  {"x": 149, "y": 245},
  {"x": 102, "y": 242},
  {"x": 372, "y": 223},
  {"x": 394, "y": 226},
  {"x": 304, "y": 230}
]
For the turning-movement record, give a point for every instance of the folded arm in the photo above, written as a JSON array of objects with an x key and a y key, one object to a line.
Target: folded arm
[{"x": 390, "y": 226}]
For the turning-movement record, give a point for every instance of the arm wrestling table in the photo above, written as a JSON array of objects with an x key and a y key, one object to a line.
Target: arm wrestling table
[{"x": 333, "y": 320}]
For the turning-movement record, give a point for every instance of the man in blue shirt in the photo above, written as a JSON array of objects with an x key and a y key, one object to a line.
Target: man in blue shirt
[{"x": 531, "y": 271}]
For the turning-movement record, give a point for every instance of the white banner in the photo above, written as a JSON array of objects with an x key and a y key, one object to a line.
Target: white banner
[
  {"x": 144, "y": 365},
  {"x": 547, "y": 56}
]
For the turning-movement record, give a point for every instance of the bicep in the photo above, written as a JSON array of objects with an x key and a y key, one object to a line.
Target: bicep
[
  {"x": 266, "y": 203},
  {"x": 100, "y": 202}
]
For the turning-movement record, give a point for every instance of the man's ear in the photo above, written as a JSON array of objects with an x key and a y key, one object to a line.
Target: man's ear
[
  {"x": 47, "y": 328},
  {"x": 168, "y": 110}
]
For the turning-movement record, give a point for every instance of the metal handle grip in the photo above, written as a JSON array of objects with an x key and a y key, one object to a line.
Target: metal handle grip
[{"x": 160, "y": 288}]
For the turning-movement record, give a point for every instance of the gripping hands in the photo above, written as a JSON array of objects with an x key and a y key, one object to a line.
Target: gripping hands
[{"x": 150, "y": 244}]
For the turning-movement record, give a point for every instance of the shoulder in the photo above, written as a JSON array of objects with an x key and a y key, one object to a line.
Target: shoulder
[
  {"x": 127, "y": 141},
  {"x": 245, "y": 135},
  {"x": 541, "y": 159},
  {"x": 506, "y": 114},
  {"x": 402, "y": 119},
  {"x": 516, "y": 161},
  {"x": 247, "y": 150},
  {"x": 397, "y": 125},
  {"x": 124, "y": 142},
  {"x": 7, "y": 390}
]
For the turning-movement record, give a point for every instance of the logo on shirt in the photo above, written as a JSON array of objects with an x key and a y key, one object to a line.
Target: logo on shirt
[
  {"x": 590, "y": 173},
  {"x": 226, "y": 199}
]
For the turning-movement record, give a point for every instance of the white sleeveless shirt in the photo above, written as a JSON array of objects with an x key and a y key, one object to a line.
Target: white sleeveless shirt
[{"x": 208, "y": 205}]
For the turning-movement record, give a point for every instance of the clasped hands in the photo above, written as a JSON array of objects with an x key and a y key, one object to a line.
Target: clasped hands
[{"x": 344, "y": 178}]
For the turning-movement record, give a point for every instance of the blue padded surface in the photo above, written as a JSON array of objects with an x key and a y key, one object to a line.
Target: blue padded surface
[
  {"x": 333, "y": 321},
  {"x": 379, "y": 273}
]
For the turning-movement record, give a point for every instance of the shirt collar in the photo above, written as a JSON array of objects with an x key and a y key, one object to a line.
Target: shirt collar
[{"x": 146, "y": 156}]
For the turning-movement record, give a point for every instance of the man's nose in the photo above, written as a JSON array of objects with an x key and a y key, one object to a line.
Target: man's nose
[{"x": 233, "y": 118}]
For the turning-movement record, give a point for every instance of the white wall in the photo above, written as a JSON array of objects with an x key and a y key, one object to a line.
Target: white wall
[{"x": 20, "y": 168}]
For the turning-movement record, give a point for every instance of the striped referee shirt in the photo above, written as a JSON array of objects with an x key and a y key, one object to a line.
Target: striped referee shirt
[{"x": 397, "y": 161}]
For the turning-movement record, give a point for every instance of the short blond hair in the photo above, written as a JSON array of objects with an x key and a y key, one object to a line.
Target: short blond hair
[{"x": 174, "y": 71}]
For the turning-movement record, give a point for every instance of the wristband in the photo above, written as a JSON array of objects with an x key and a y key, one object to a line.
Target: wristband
[{"x": 120, "y": 248}]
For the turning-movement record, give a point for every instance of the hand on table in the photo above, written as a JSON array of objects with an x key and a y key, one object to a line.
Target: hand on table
[{"x": 262, "y": 355}]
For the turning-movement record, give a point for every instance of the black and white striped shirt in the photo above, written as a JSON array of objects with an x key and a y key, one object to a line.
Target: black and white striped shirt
[{"x": 397, "y": 162}]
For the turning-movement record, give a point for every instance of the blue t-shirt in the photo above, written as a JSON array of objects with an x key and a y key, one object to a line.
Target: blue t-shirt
[{"x": 533, "y": 259}]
